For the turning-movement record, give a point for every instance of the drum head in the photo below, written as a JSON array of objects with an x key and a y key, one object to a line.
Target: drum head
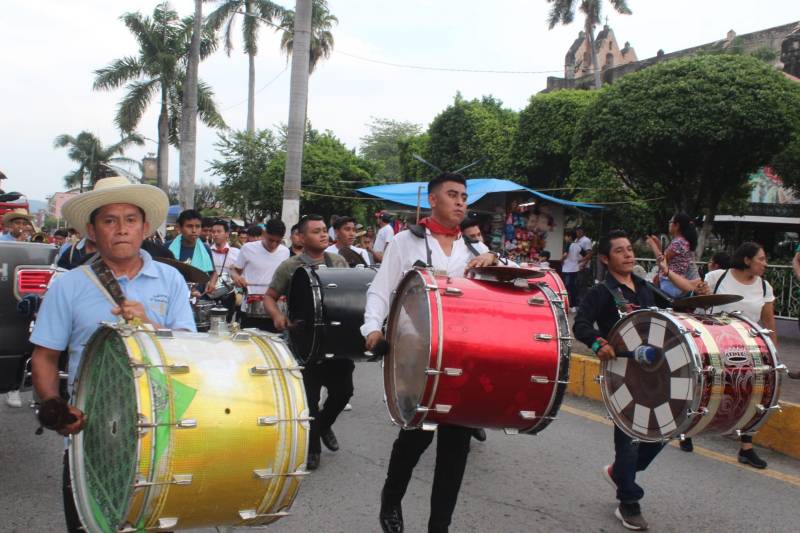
[
  {"x": 409, "y": 337},
  {"x": 104, "y": 458},
  {"x": 303, "y": 312},
  {"x": 650, "y": 401}
]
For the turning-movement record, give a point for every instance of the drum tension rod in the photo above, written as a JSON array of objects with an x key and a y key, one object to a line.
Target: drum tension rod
[
  {"x": 700, "y": 412},
  {"x": 453, "y": 291},
  {"x": 177, "y": 479},
  {"x": 250, "y": 514},
  {"x": 761, "y": 409},
  {"x": 163, "y": 523},
  {"x": 172, "y": 369},
  {"x": 186, "y": 423},
  {"x": 438, "y": 408},
  {"x": 265, "y": 370},
  {"x": 273, "y": 420},
  {"x": 266, "y": 473},
  {"x": 446, "y": 372},
  {"x": 544, "y": 380}
]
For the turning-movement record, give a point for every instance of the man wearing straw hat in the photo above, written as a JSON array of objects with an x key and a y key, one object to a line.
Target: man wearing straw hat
[
  {"x": 117, "y": 216},
  {"x": 14, "y": 222}
]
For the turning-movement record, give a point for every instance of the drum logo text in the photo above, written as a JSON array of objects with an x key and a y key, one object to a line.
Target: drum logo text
[{"x": 737, "y": 356}]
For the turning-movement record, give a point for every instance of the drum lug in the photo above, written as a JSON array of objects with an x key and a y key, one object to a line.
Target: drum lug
[
  {"x": 544, "y": 380},
  {"x": 163, "y": 333},
  {"x": 453, "y": 291},
  {"x": 536, "y": 300},
  {"x": 527, "y": 415},
  {"x": 710, "y": 370},
  {"x": 177, "y": 479},
  {"x": 274, "y": 420},
  {"x": 432, "y": 287},
  {"x": 543, "y": 337},
  {"x": 739, "y": 433},
  {"x": 511, "y": 431},
  {"x": 251, "y": 514},
  {"x": 700, "y": 412},
  {"x": 331, "y": 286},
  {"x": 761, "y": 409},
  {"x": 440, "y": 408},
  {"x": 335, "y": 323},
  {"x": 598, "y": 378},
  {"x": 330, "y": 355},
  {"x": 696, "y": 333},
  {"x": 241, "y": 336},
  {"x": 447, "y": 372},
  {"x": 429, "y": 426},
  {"x": 780, "y": 368}
]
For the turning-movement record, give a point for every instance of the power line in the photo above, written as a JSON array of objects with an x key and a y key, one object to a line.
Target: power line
[
  {"x": 443, "y": 69},
  {"x": 270, "y": 82}
]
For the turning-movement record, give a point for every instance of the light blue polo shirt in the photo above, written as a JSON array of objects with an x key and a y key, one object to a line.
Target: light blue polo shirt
[
  {"x": 73, "y": 307},
  {"x": 7, "y": 237}
]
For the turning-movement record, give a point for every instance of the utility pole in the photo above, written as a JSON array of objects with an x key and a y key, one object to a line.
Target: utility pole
[{"x": 298, "y": 102}]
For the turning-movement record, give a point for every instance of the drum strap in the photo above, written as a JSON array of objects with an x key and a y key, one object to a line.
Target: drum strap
[
  {"x": 419, "y": 231},
  {"x": 719, "y": 281},
  {"x": 104, "y": 279}
]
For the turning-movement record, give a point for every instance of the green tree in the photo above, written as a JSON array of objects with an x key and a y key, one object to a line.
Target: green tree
[
  {"x": 249, "y": 186},
  {"x": 95, "y": 160},
  {"x": 254, "y": 12},
  {"x": 322, "y": 22},
  {"x": 692, "y": 130},
  {"x": 563, "y": 11},
  {"x": 543, "y": 145},
  {"x": 159, "y": 68},
  {"x": 473, "y": 130},
  {"x": 206, "y": 198},
  {"x": 384, "y": 144}
]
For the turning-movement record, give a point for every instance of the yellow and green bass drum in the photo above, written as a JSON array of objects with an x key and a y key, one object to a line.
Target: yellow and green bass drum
[{"x": 187, "y": 430}]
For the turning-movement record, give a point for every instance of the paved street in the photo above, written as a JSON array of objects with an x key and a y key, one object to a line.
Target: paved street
[{"x": 549, "y": 482}]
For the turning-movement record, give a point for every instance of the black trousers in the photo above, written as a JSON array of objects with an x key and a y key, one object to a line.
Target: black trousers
[
  {"x": 452, "y": 448},
  {"x": 70, "y": 510},
  {"x": 336, "y": 375}
]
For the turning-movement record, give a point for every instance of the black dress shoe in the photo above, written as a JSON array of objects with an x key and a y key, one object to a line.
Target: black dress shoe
[
  {"x": 313, "y": 461},
  {"x": 390, "y": 517},
  {"x": 329, "y": 440},
  {"x": 686, "y": 445},
  {"x": 479, "y": 434},
  {"x": 749, "y": 457}
]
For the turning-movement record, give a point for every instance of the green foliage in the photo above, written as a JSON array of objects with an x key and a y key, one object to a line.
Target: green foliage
[
  {"x": 473, "y": 130},
  {"x": 543, "y": 144},
  {"x": 95, "y": 160},
  {"x": 384, "y": 144},
  {"x": 226, "y": 13},
  {"x": 412, "y": 169},
  {"x": 692, "y": 129},
  {"x": 250, "y": 186},
  {"x": 206, "y": 198},
  {"x": 322, "y": 22},
  {"x": 563, "y": 11}
]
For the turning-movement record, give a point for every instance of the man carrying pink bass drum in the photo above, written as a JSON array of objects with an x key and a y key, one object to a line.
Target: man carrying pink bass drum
[{"x": 438, "y": 243}]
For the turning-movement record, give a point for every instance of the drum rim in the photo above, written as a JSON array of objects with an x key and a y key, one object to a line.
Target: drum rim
[
  {"x": 316, "y": 295},
  {"x": 699, "y": 385},
  {"x": 77, "y": 468},
  {"x": 761, "y": 418},
  {"x": 564, "y": 356},
  {"x": 389, "y": 375}
]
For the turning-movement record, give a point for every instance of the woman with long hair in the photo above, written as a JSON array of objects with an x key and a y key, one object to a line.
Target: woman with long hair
[{"x": 678, "y": 255}]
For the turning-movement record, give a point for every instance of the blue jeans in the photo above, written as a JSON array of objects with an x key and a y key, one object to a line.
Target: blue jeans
[
  {"x": 630, "y": 458},
  {"x": 571, "y": 284}
]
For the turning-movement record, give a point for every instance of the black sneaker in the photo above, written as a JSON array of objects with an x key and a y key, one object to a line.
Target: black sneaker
[
  {"x": 686, "y": 445},
  {"x": 329, "y": 440},
  {"x": 312, "y": 463},
  {"x": 390, "y": 516},
  {"x": 749, "y": 457},
  {"x": 630, "y": 514},
  {"x": 479, "y": 434}
]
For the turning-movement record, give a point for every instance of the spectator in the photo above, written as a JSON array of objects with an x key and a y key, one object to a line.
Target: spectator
[
  {"x": 678, "y": 255},
  {"x": 384, "y": 236},
  {"x": 570, "y": 265}
]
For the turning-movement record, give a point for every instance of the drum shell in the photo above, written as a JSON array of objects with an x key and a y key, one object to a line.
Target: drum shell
[
  {"x": 733, "y": 369},
  {"x": 554, "y": 281},
  {"x": 226, "y": 446},
  {"x": 331, "y": 303},
  {"x": 497, "y": 338}
]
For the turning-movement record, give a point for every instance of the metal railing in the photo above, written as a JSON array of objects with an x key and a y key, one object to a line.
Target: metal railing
[{"x": 784, "y": 284}]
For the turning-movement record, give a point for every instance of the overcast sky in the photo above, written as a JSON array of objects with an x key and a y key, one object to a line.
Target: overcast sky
[{"x": 50, "y": 49}]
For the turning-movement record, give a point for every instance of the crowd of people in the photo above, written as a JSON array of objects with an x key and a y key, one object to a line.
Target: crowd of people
[{"x": 261, "y": 265}]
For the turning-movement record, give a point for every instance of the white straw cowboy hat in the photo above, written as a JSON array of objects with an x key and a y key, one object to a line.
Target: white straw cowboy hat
[
  {"x": 117, "y": 190},
  {"x": 15, "y": 214}
]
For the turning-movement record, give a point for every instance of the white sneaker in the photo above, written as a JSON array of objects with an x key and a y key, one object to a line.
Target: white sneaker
[
  {"x": 348, "y": 407},
  {"x": 13, "y": 399}
]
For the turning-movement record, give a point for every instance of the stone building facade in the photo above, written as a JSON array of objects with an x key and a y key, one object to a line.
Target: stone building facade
[{"x": 578, "y": 61}]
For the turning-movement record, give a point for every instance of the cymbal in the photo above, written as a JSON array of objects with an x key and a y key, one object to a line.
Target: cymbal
[
  {"x": 706, "y": 301},
  {"x": 503, "y": 274},
  {"x": 190, "y": 274}
]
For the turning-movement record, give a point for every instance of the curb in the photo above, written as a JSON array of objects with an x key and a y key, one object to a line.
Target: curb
[{"x": 778, "y": 434}]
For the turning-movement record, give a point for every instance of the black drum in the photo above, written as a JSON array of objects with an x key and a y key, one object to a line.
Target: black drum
[{"x": 326, "y": 311}]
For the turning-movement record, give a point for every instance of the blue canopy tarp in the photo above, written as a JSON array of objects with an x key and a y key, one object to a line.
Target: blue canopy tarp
[{"x": 407, "y": 193}]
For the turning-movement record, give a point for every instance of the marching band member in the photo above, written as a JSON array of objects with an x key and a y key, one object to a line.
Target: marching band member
[
  {"x": 117, "y": 216},
  {"x": 440, "y": 246}
]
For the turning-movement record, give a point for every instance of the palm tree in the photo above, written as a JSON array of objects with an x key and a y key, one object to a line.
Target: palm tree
[
  {"x": 188, "y": 125},
  {"x": 563, "y": 11},
  {"x": 95, "y": 161},
  {"x": 254, "y": 12},
  {"x": 322, "y": 23},
  {"x": 159, "y": 67}
]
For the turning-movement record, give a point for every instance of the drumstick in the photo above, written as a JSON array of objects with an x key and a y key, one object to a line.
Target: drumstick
[{"x": 645, "y": 354}]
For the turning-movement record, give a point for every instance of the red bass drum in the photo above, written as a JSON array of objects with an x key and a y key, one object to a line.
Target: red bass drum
[
  {"x": 475, "y": 353},
  {"x": 554, "y": 281}
]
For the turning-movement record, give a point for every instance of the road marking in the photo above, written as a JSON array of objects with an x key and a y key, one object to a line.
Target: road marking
[{"x": 699, "y": 450}]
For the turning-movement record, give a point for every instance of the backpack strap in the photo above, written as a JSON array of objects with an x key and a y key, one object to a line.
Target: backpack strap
[
  {"x": 471, "y": 246},
  {"x": 763, "y": 288},
  {"x": 719, "y": 281}
]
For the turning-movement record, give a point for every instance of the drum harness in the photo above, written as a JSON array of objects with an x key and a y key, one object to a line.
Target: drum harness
[{"x": 418, "y": 230}]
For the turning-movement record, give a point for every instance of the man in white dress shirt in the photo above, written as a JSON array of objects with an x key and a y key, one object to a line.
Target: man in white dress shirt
[
  {"x": 384, "y": 236},
  {"x": 345, "y": 237},
  {"x": 441, "y": 247}
]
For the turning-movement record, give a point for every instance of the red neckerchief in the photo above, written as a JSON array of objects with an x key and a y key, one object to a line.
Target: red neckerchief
[
  {"x": 436, "y": 227},
  {"x": 222, "y": 251}
]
